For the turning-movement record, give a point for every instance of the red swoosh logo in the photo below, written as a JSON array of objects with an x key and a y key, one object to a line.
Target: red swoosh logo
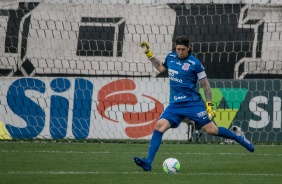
[
  {"x": 107, "y": 99},
  {"x": 141, "y": 118}
]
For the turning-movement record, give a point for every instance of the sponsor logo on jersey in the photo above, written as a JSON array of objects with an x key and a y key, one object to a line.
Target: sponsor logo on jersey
[
  {"x": 179, "y": 97},
  {"x": 202, "y": 114},
  {"x": 175, "y": 79},
  {"x": 172, "y": 72}
]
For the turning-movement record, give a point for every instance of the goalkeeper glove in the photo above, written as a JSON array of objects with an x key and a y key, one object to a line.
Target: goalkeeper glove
[
  {"x": 146, "y": 49},
  {"x": 210, "y": 111}
]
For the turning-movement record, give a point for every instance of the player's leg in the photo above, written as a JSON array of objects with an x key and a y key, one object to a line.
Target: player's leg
[
  {"x": 212, "y": 129},
  {"x": 170, "y": 118},
  {"x": 161, "y": 127},
  {"x": 197, "y": 112},
  {"x": 146, "y": 163}
]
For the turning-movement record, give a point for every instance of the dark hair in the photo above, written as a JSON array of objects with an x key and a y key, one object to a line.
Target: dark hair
[{"x": 181, "y": 40}]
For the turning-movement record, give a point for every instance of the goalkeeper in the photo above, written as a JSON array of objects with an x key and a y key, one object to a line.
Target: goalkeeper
[{"x": 184, "y": 72}]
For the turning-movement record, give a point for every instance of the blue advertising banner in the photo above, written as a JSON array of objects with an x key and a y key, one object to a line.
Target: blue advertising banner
[{"x": 116, "y": 108}]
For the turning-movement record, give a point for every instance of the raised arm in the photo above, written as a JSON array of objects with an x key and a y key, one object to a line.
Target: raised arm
[
  {"x": 157, "y": 64},
  {"x": 155, "y": 61}
]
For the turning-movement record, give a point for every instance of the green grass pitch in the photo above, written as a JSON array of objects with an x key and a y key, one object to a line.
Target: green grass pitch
[{"x": 108, "y": 163}]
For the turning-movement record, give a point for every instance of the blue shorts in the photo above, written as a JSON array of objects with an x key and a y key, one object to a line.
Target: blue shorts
[{"x": 176, "y": 112}]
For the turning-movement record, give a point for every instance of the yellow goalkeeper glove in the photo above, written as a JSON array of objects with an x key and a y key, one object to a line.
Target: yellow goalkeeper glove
[
  {"x": 210, "y": 112},
  {"x": 146, "y": 49}
]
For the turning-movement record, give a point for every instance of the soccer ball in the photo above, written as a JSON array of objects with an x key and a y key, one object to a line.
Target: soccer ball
[{"x": 171, "y": 166}]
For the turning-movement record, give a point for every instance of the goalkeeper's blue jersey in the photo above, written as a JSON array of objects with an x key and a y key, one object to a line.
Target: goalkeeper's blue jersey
[{"x": 183, "y": 77}]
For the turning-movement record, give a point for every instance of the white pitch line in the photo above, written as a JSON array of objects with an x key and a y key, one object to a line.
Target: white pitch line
[
  {"x": 117, "y": 152},
  {"x": 109, "y": 173}
]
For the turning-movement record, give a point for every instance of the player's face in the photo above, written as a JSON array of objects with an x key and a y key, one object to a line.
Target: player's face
[{"x": 182, "y": 51}]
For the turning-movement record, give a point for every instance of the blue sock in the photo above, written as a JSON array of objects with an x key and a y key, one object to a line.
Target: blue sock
[
  {"x": 226, "y": 133},
  {"x": 154, "y": 145}
]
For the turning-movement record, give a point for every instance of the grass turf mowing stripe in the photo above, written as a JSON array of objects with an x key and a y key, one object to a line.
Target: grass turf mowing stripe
[
  {"x": 117, "y": 152},
  {"x": 154, "y": 173}
]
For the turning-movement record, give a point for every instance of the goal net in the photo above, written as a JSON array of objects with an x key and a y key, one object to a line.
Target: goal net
[{"x": 73, "y": 69}]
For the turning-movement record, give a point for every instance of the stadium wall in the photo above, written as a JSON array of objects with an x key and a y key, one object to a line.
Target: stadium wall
[
  {"x": 72, "y": 69},
  {"x": 233, "y": 39}
]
